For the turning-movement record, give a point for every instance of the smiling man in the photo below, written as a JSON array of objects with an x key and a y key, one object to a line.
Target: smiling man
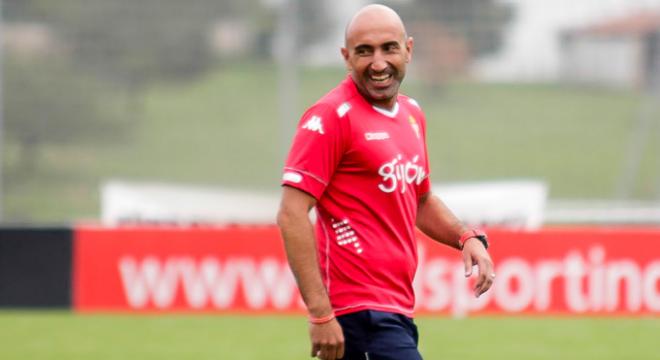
[{"x": 359, "y": 157}]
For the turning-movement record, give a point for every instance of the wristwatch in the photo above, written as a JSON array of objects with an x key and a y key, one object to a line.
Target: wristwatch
[{"x": 473, "y": 233}]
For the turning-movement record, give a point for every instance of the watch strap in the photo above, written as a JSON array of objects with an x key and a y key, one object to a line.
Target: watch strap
[{"x": 473, "y": 233}]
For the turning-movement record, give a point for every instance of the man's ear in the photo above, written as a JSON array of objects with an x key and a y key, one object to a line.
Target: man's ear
[
  {"x": 345, "y": 54},
  {"x": 409, "y": 47}
]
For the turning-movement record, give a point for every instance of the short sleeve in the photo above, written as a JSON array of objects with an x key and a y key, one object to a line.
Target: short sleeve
[{"x": 316, "y": 151}]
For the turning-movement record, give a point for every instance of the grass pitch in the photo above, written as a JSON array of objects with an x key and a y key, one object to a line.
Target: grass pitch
[{"x": 63, "y": 335}]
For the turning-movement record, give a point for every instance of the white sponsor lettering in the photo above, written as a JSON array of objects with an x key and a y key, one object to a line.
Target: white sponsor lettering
[
  {"x": 516, "y": 284},
  {"x": 574, "y": 272},
  {"x": 546, "y": 272},
  {"x": 147, "y": 281},
  {"x": 650, "y": 286},
  {"x": 314, "y": 124},
  {"x": 397, "y": 174},
  {"x": 590, "y": 284},
  {"x": 376, "y": 136},
  {"x": 627, "y": 274},
  {"x": 292, "y": 177},
  {"x": 597, "y": 278},
  {"x": 207, "y": 282},
  {"x": 577, "y": 282}
]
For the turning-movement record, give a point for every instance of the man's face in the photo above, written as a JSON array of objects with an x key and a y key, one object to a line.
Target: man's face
[{"x": 376, "y": 54}]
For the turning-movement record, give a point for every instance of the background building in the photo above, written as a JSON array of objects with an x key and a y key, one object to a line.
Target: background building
[{"x": 622, "y": 52}]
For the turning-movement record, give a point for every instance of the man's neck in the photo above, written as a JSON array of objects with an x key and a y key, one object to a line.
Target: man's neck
[
  {"x": 389, "y": 105},
  {"x": 388, "y": 112}
]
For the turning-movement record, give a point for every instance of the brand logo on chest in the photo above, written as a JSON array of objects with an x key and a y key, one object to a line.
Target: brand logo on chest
[{"x": 381, "y": 135}]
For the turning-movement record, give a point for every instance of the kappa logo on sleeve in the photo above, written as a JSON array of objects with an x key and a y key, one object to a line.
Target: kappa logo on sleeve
[{"x": 314, "y": 124}]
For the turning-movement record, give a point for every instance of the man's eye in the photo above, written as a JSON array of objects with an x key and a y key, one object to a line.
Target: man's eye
[{"x": 390, "y": 48}]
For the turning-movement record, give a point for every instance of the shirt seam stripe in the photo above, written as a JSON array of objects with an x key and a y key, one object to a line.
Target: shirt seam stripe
[{"x": 327, "y": 251}]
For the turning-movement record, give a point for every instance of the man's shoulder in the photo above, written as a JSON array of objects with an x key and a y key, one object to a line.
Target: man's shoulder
[
  {"x": 337, "y": 101},
  {"x": 412, "y": 107},
  {"x": 409, "y": 102}
]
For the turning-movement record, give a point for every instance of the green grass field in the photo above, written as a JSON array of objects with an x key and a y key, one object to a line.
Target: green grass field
[
  {"x": 62, "y": 335},
  {"x": 223, "y": 130}
]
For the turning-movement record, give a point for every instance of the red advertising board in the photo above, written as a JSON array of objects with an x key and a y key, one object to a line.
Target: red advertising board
[{"x": 553, "y": 271}]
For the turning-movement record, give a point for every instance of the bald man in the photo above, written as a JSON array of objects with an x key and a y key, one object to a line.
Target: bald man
[{"x": 359, "y": 158}]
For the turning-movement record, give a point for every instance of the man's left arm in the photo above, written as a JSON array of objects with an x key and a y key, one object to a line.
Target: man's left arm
[{"x": 438, "y": 222}]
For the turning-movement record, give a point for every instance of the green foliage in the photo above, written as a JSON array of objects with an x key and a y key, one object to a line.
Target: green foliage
[
  {"x": 46, "y": 103},
  {"x": 135, "y": 43}
]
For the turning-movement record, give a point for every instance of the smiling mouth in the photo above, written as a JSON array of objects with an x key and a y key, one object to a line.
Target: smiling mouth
[{"x": 380, "y": 78}]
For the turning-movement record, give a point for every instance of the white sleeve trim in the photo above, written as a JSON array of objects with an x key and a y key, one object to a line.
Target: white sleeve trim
[
  {"x": 343, "y": 109},
  {"x": 308, "y": 174}
]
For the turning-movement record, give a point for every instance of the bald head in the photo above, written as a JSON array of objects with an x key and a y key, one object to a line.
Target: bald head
[
  {"x": 373, "y": 17},
  {"x": 376, "y": 53}
]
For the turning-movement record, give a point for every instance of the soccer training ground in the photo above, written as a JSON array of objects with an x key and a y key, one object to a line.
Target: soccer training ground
[{"x": 64, "y": 335}]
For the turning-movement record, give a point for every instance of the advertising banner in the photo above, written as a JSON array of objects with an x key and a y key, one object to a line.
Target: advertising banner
[
  {"x": 244, "y": 269},
  {"x": 35, "y": 267},
  {"x": 512, "y": 204}
]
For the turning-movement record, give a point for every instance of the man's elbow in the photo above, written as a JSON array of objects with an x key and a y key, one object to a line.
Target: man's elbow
[
  {"x": 288, "y": 216},
  {"x": 283, "y": 217}
]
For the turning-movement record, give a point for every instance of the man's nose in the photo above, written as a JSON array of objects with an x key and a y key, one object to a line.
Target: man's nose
[{"x": 378, "y": 64}]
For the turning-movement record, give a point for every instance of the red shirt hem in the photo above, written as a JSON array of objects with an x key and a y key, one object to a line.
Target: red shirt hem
[{"x": 376, "y": 307}]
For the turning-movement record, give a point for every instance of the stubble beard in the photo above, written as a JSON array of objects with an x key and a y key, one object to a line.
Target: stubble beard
[{"x": 382, "y": 97}]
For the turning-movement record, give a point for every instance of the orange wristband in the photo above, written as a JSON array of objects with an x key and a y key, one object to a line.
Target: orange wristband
[{"x": 322, "y": 320}]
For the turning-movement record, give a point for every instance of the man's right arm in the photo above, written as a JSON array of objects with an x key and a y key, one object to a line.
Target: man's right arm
[{"x": 300, "y": 245}]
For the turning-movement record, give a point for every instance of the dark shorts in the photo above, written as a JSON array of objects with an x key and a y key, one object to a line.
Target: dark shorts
[{"x": 377, "y": 335}]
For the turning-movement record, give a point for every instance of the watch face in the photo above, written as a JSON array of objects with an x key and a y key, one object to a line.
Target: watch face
[{"x": 483, "y": 239}]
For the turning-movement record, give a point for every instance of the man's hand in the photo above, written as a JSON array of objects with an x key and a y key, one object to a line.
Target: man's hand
[
  {"x": 327, "y": 340},
  {"x": 475, "y": 253}
]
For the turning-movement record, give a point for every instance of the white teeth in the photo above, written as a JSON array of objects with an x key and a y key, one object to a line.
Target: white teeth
[{"x": 380, "y": 77}]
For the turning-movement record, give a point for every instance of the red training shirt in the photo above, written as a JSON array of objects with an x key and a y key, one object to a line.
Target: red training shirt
[{"x": 367, "y": 168}]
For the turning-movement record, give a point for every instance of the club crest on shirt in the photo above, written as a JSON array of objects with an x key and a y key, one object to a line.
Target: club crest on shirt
[
  {"x": 314, "y": 124},
  {"x": 414, "y": 125}
]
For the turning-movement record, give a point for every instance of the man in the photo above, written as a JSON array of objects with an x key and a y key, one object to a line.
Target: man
[{"x": 359, "y": 157}]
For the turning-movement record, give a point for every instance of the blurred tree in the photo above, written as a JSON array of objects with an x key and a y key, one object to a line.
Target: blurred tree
[
  {"x": 480, "y": 22},
  {"x": 314, "y": 21},
  {"x": 46, "y": 103},
  {"x": 134, "y": 43},
  {"x": 449, "y": 34}
]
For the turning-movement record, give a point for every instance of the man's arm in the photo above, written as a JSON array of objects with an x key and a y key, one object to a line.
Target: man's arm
[
  {"x": 300, "y": 245},
  {"x": 438, "y": 222}
]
